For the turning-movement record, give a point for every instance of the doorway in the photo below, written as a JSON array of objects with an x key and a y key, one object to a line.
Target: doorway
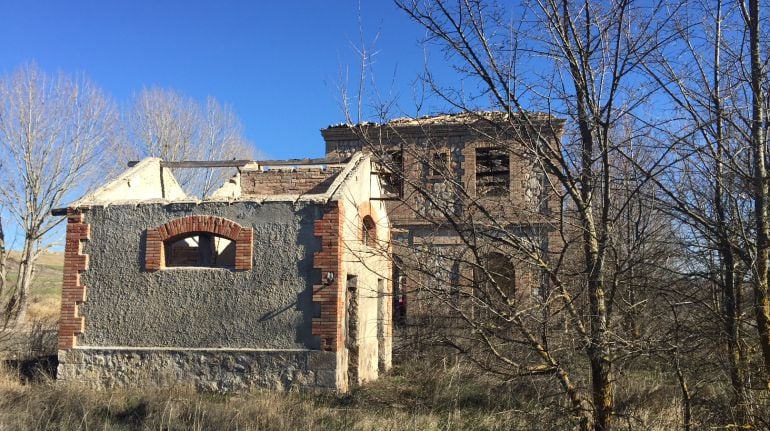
[{"x": 351, "y": 329}]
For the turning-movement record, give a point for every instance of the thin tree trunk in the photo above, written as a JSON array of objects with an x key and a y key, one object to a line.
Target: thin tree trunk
[
  {"x": 599, "y": 358},
  {"x": 730, "y": 300},
  {"x": 686, "y": 395},
  {"x": 17, "y": 307},
  {"x": 3, "y": 260},
  {"x": 761, "y": 300}
]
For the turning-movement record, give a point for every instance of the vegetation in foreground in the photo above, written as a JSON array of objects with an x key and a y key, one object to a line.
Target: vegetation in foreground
[
  {"x": 420, "y": 395},
  {"x": 427, "y": 390}
]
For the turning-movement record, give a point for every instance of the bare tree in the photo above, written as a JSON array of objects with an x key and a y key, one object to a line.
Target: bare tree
[
  {"x": 54, "y": 130},
  {"x": 163, "y": 123},
  {"x": 580, "y": 61},
  {"x": 3, "y": 256},
  {"x": 758, "y": 123},
  {"x": 589, "y": 56},
  {"x": 707, "y": 177}
]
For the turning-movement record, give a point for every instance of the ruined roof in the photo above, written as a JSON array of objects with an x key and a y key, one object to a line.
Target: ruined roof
[
  {"x": 457, "y": 119},
  {"x": 151, "y": 181}
]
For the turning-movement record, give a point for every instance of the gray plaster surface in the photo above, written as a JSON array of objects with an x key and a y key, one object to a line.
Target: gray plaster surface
[{"x": 268, "y": 307}]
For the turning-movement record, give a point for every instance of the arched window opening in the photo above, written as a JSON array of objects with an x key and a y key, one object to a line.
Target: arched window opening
[
  {"x": 199, "y": 241},
  {"x": 499, "y": 274},
  {"x": 369, "y": 232},
  {"x": 199, "y": 249}
]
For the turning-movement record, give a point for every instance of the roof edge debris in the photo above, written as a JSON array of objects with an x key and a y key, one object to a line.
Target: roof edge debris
[
  {"x": 150, "y": 181},
  {"x": 457, "y": 119}
]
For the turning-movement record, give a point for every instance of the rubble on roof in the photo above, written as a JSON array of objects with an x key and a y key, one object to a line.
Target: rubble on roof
[{"x": 462, "y": 118}]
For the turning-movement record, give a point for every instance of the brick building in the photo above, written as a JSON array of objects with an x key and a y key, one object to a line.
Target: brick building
[
  {"x": 277, "y": 280},
  {"x": 449, "y": 174}
]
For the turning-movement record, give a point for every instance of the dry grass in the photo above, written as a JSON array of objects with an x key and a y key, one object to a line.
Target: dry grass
[
  {"x": 52, "y": 405},
  {"x": 35, "y": 336},
  {"x": 416, "y": 396}
]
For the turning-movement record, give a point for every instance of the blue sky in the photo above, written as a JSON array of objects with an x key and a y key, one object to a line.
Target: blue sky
[{"x": 277, "y": 63}]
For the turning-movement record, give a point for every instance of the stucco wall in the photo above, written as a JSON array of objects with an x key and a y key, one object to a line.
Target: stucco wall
[
  {"x": 269, "y": 307},
  {"x": 371, "y": 266}
]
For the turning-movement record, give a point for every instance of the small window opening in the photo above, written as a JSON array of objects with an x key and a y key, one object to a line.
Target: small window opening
[
  {"x": 369, "y": 232},
  {"x": 493, "y": 172},
  {"x": 440, "y": 163},
  {"x": 200, "y": 250},
  {"x": 394, "y": 180},
  {"x": 502, "y": 276},
  {"x": 436, "y": 164}
]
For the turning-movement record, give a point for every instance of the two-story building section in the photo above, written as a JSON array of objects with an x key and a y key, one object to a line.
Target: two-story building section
[{"x": 468, "y": 192}]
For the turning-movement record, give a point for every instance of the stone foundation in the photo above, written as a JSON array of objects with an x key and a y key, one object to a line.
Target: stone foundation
[{"x": 205, "y": 369}]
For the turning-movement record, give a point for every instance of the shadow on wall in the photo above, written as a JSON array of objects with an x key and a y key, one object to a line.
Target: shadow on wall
[{"x": 310, "y": 244}]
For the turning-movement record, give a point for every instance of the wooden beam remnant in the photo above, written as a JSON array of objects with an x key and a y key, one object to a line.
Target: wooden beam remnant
[
  {"x": 184, "y": 164},
  {"x": 300, "y": 162}
]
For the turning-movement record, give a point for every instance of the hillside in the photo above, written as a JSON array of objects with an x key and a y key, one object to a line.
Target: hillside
[{"x": 45, "y": 294}]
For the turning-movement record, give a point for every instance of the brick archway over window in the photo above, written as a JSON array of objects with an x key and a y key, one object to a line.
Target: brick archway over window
[{"x": 186, "y": 226}]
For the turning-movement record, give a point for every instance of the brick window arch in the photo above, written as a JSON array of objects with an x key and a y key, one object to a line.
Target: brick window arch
[{"x": 199, "y": 233}]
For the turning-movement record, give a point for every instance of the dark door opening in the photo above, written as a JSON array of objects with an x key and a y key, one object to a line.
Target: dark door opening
[{"x": 351, "y": 332}]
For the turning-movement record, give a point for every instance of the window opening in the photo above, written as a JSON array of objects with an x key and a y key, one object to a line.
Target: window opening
[
  {"x": 399, "y": 294},
  {"x": 435, "y": 164},
  {"x": 440, "y": 163},
  {"x": 394, "y": 179},
  {"x": 498, "y": 273},
  {"x": 493, "y": 172},
  {"x": 369, "y": 232},
  {"x": 503, "y": 273},
  {"x": 199, "y": 249}
]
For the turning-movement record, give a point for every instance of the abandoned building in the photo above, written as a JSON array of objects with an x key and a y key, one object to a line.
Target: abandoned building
[
  {"x": 280, "y": 280},
  {"x": 292, "y": 273},
  {"x": 446, "y": 173}
]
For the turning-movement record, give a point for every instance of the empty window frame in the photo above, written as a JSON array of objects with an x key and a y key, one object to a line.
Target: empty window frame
[
  {"x": 440, "y": 163},
  {"x": 493, "y": 172},
  {"x": 435, "y": 164},
  {"x": 495, "y": 280},
  {"x": 369, "y": 231},
  {"x": 200, "y": 249},
  {"x": 502, "y": 274},
  {"x": 394, "y": 180}
]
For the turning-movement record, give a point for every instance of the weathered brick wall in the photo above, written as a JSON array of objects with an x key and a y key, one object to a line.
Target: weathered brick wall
[
  {"x": 441, "y": 160},
  {"x": 288, "y": 181},
  {"x": 73, "y": 292},
  {"x": 529, "y": 197}
]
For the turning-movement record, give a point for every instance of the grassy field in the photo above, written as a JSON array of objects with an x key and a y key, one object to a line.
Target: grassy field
[
  {"x": 45, "y": 292},
  {"x": 417, "y": 395}
]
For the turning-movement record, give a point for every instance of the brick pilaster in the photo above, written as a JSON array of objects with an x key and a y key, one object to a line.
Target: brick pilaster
[
  {"x": 73, "y": 292},
  {"x": 329, "y": 295}
]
